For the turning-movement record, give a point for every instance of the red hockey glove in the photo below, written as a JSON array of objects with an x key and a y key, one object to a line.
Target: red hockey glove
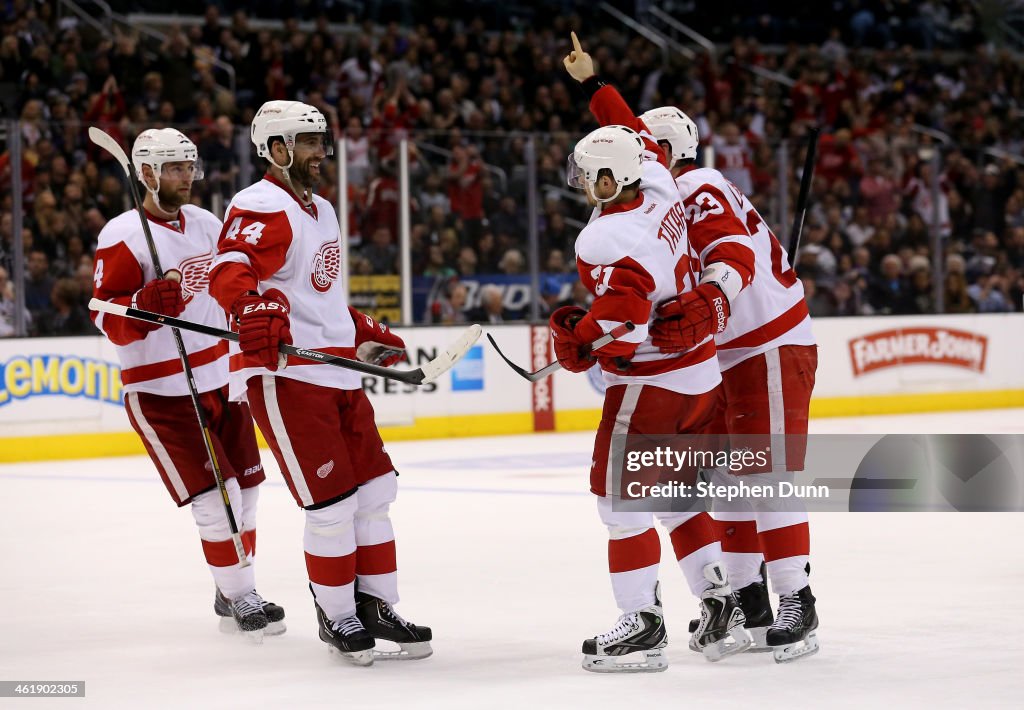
[
  {"x": 375, "y": 343},
  {"x": 569, "y": 349},
  {"x": 161, "y": 296},
  {"x": 690, "y": 318},
  {"x": 263, "y": 326}
]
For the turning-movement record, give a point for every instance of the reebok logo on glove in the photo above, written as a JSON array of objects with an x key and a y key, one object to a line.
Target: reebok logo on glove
[
  {"x": 719, "y": 304},
  {"x": 264, "y": 306}
]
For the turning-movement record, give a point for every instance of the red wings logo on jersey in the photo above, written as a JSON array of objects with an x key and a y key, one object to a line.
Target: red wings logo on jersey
[
  {"x": 195, "y": 275},
  {"x": 326, "y": 267}
]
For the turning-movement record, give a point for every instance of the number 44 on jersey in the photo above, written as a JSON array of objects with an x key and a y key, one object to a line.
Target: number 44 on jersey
[{"x": 251, "y": 233}]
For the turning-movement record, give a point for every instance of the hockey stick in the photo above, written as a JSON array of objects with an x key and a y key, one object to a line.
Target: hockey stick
[
  {"x": 801, "y": 200},
  {"x": 549, "y": 369},
  {"x": 428, "y": 372},
  {"x": 110, "y": 145}
]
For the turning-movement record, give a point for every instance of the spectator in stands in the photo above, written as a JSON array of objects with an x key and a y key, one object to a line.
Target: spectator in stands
[
  {"x": 512, "y": 262},
  {"x": 465, "y": 187},
  {"x": 7, "y": 307},
  {"x": 67, "y": 317},
  {"x": 381, "y": 252},
  {"x": 920, "y": 296},
  {"x": 888, "y": 291},
  {"x": 38, "y": 285},
  {"x": 860, "y": 229},
  {"x": 579, "y": 297},
  {"x": 449, "y": 308},
  {"x": 550, "y": 294},
  {"x": 467, "y": 262},
  {"x": 357, "y": 152},
  {"x": 988, "y": 295},
  {"x": 956, "y": 298},
  {"x": 432, "y": 197},
  {"x": 988, "y": 200},
  {"x": 846, "y": 299},
  {"x": 878, "y": 191},
  {"x": 220, "y": 157},
  {"x": 509, "y": 219},
  {"x": 491, "y": 309},
  {"x": 837, "y": 158},
  {"x": 382, "y": 200},
  {"x": 819, "y": 303}
]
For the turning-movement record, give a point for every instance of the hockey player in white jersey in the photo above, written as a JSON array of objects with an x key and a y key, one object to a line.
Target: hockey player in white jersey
[
  {"x": 768, "y": 357},
  {"x": 156, "y": 393},
  {"x": 633, "y": 254},
  {"x": 278, "y": 273}
]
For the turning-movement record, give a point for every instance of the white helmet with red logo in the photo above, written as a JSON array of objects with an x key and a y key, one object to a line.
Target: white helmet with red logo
[
  {"x": 287, "y": 119},
  {"x": 618, "y": 149},
  {"x": 668, "y": 123}
]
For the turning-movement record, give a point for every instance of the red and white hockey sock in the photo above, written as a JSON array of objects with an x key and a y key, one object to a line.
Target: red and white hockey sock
[
  {"x": 634, "y": 552},
  {"x": 376, "y": 564},
  {"x": 215, "y": 533},
  {"x": 695, "y": 543},
  {"x": 330, "y": 545},
  {"x": 786, "y": 543},
  {"x": 250, "y": 497},
  {"x": 741, "y": 548}
]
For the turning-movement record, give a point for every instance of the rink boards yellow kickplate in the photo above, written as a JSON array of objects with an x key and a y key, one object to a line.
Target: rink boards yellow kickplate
[{"x": 91, "y": 445}]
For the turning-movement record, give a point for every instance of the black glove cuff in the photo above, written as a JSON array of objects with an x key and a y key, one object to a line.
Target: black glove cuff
[{"x": 591, "y": 85}]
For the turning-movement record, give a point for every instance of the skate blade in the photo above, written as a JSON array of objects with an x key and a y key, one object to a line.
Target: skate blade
[
  {"x": 228, "y": 626},
  {"x": 404, "y": 652},
  {"x": 275, "y": 628},
  {"x": 738, "y": 641},
  {"x": 795, "y": 651},
  {"x": 655, "y": 661},
  {"x": 760, "y": 644},
  {"x": 356, "y": 658}
]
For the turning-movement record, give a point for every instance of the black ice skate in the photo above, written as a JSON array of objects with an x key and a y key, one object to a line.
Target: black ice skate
[
  {"x": 719, "y": 632},
  {"x": 757, "y": 608},
  {"x": 346, "y": 637},
  {"x": 383, "y": 623},
  {"x": 275, "y": 614},
  {"x": 793, "y": 636},
  {"x": 244, "y": 615},
  {"x": 640, "y": 631}
]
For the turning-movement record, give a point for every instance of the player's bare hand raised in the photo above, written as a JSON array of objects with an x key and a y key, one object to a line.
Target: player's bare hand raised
[{"x": 578, "y": 63}]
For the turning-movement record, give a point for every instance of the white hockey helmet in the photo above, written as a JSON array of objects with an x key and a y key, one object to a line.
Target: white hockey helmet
[
  {"x": 288, "y": 119},
  {"x": 668, "y": 123},
  {"x": 157, "y": 146},
  {"x": 618, "y": 149}
]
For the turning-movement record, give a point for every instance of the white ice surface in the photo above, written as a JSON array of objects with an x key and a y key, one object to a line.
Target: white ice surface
[{"x": 501, "y": 552}]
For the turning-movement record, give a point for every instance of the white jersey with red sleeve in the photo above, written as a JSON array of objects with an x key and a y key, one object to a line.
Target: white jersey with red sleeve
[
  {"x": 270, "y": 240},
  {"x": 714, "y": 222},
  {"x": 632, "y": 257},
  {"x": 771, "y": 310},
  {"x": 149, "y": 359}
]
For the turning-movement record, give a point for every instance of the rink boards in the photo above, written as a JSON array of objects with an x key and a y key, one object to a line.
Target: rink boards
[{"x": 61, "y": 397}]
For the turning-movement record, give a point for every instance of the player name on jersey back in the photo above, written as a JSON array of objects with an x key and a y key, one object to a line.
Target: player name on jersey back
[{"x": 647, "y": 239}]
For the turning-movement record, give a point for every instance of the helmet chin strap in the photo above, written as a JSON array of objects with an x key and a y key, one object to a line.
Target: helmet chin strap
[
  {"x": 618, "y": 191},
  {"x": 155, "y": 192}
]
